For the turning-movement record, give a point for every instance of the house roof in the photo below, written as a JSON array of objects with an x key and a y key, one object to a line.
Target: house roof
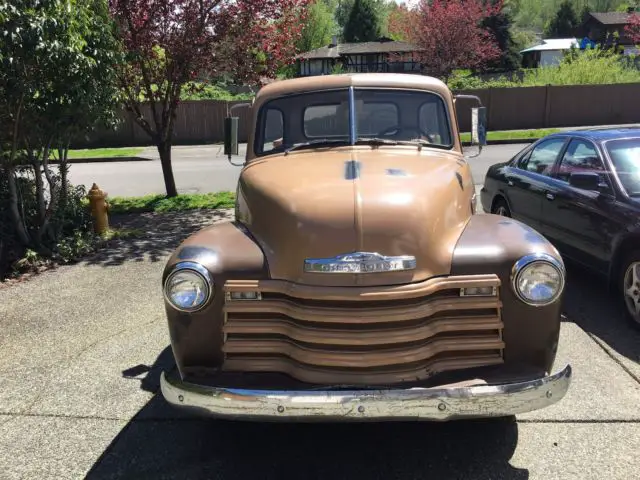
[
  {"x": 611, "y": 18},
  {"x": 337, "y": 51},
  {"x": 552, "y": 44}
]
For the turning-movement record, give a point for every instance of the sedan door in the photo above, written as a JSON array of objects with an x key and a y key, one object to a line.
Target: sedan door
[
  {"x": 527, "y": 181},
  {"x": 582, "y": 223}
]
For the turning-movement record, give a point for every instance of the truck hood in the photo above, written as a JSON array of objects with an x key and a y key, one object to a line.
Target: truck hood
[{"x": 394, "y": 203}]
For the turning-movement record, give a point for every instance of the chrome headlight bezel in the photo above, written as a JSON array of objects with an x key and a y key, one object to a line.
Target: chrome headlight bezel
[
  {"x": 194, "y": 268},
  {"x": 532, "y": 259}
]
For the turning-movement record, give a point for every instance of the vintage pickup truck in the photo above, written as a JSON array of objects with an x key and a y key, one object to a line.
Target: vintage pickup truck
[{"x": 357, "y": 281}]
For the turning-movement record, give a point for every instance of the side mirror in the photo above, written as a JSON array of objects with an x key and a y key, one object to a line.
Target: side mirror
[
  {"x": 231, "y": 136},
  {"x": 478, "y": 124},
  {"x": 585, "y": 181},
  {"x": 478, "y": 128}
]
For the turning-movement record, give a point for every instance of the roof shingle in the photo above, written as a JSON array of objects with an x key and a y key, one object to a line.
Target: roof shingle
[
  {"x": 611, "y": 18},
  {"x": 336, "y": 51}
]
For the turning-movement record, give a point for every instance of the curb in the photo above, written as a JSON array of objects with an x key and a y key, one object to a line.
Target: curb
[{"x": 103, "y": 160}]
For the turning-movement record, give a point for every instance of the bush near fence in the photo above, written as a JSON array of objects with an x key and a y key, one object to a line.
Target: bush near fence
[{"x": 509, "y": 108}]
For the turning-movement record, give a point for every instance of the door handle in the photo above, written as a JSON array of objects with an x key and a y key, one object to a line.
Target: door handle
[
  {"x": 510, "y": 182},
  {"x": 550, "y": 196}
]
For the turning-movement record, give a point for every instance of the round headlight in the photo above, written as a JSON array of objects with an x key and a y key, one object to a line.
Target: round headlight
[
  {"x": 538, "y": 279},
  {"x": 188, "y": 287}
]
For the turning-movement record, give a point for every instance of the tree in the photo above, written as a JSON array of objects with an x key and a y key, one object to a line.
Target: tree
[
  {"x": 450, "y": 35},
  {"x": 169, "y": 44},
  {"x": 318, "y": 28},
  {"x": 499, "y": 24},
  {"x": 632, "y": 29},
  {"x": 363, "y": 24},
  {"x": 56, "y": 81},
  {"x": 565, "y": 22},
  {"x": 397, "y": 21}
]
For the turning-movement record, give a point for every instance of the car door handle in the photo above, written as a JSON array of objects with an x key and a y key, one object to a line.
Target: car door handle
[
  {"x": 550, "y": 196},
  {"x": 510, "y": 182}
]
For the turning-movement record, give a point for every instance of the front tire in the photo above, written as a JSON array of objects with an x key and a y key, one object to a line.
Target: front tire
[
  {"x": 629, "y": 287},
  {"x": 501, "y": 208}
]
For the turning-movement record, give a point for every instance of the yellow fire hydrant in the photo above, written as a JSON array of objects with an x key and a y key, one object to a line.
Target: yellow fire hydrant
[{"x": 99, "y": 209}]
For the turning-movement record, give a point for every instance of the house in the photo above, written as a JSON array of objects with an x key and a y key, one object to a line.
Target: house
[
  {"x": 603, "y": 27},
  {"x": 549, "y": 52},
  {"x": 384, "y": 55}
]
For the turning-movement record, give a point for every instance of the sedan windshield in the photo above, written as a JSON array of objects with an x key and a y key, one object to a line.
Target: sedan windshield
[
  {"x": 380, "y": 117},
  {"x": 625, "y": 155}
]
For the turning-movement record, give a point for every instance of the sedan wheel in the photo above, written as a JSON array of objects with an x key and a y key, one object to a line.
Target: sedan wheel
[
  {"x": 631, "y": 290},
  {"x": 501, "y": 208}
]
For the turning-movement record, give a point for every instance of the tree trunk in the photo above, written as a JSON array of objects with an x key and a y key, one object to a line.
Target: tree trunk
[
  {"x": 14, "y": 210},
  {"x": 164, "y": 149}
]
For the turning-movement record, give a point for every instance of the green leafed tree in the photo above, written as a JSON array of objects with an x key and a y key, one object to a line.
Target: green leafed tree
[
  {"x": 363, "y": 24},
  {"x": 500, "y": 25},
  {"x": 56, "y": 82},
  {"x": 320, "y": 25},
  {"x": 565, "y": 22}
]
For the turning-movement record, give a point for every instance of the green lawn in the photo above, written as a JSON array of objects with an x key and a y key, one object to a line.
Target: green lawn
[
  {"x": 513, "y": 134},
  {"x": 160, "y": 203},
  {"x": 105, "y": 152}
]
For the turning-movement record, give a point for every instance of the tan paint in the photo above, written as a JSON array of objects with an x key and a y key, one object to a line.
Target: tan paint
[
  {"x": 385, "y": 327},
  {"x": 294, "y": 216}
]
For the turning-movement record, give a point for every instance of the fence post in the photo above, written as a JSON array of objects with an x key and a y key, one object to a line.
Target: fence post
[
  {"x": 547, "y": 106},
  {"x": 489, "y": 109}
]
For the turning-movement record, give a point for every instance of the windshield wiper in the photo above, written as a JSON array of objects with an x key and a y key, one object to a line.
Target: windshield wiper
[
  {"x": 420, "y": 142},
  {"x": 377, "y": 141},
  {"x": 314, "y": 142}
]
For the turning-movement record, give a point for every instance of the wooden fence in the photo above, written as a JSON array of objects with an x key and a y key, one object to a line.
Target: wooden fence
[{"x": 201, "y": 122}]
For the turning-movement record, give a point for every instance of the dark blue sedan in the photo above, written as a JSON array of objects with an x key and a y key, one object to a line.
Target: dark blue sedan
[{"x": 581, "y": 190}]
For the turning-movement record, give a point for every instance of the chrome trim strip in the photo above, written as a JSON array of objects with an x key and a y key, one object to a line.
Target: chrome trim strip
[
  {"x": 437, "y": 403},
  {"x": 537, "y": 257},
  {"x": 352, "y": 116},
  {"x": 360, "y": 262},
  {"x": 197, "y": 268}
]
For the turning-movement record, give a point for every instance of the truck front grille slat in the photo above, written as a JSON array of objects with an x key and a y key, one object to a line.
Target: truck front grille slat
[{"x": 357, "y": 335}]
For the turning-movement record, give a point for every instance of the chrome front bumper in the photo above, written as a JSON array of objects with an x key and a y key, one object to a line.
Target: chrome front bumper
[{"x": 437, "y": 404}]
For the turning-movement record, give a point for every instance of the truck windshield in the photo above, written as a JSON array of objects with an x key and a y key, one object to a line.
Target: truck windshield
[
  {"x": 382, "y": 116},
  {"x": 625, "y": 155}
]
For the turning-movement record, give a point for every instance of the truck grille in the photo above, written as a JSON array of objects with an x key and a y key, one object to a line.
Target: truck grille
[{"x": 362, "y": 335}]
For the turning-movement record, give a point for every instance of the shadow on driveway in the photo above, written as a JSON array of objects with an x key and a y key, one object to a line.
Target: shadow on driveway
[
  {"x": 161, "y": 442},
  {"x": 589, "y": 304},
  {"x": 159, "y": 235}
]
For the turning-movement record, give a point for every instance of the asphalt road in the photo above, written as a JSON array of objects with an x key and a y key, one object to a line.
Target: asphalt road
[
  {"x": 82, "y": 347},
  {"x": 205, "y": 169}
]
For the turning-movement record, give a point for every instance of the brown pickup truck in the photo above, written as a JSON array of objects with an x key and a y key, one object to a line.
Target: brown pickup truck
[{"x": 357, "y": 281}]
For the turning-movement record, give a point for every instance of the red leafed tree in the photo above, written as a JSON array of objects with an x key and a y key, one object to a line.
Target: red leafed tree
[
  {"x": 632, "y": 29},
  {"x": 449, "y": 34},
  {"x": 397, "y": 21},
  {"x": 170, "y": 43}
]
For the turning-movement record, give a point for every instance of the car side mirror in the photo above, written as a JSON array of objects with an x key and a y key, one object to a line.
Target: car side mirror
[
  {"x": 231, "y": 136},
  {"x": 231, "y": 146},
  {"x": 585, "y": 181},
  {"x": 478, "y": 123}
]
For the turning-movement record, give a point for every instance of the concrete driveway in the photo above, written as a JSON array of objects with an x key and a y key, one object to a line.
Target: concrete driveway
[{"x": 82, "y": 347}]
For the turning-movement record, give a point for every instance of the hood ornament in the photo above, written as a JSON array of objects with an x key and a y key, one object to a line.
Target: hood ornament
[{"x": 360, "y": 262}]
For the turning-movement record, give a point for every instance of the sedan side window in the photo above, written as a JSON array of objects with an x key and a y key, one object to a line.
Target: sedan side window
[
  {"x": 543, "y": 156},
  {"x": 581, "y": 156}
]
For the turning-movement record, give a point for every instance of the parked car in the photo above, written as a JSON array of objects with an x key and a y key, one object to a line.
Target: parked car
[
  {"x": 355, "y": 281},
  {"x": 581, "y": 190}
]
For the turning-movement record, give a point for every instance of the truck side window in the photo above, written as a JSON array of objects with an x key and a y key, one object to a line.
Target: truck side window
[{"x": 273, "y": 130}]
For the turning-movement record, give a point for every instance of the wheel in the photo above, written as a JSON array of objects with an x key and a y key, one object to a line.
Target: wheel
[
  {"x": 629, "y": 291},
  {"x": 500, "y": 207}
]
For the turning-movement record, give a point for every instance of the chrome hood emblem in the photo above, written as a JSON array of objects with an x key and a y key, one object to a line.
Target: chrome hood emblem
[{"x": 360, "y": 262}]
